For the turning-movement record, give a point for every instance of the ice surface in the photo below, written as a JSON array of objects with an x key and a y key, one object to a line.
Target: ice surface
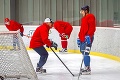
[{"x": 102, "y": 68}]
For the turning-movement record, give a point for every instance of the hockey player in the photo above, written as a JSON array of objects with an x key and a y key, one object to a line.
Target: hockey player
[
  {"x": 64, "y": 29},
  {"x": 12, "y": 25},
  {"x": 86, "y": 36},
  {"x": 39, "y": 39}
]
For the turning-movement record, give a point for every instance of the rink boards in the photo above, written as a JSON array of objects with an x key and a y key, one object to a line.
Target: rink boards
[{"x": 106, "y": 40}]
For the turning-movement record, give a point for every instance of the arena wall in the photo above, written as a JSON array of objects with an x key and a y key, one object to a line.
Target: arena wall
[{"x": 106, "y": 40}]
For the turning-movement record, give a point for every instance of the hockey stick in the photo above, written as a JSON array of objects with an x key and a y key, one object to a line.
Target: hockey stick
[
  {"x": 80, "y": 68},
  {"x": 27, "y": 36},
  {"x": 62, "y": 61},
  {"x": 82, "y": 63}
]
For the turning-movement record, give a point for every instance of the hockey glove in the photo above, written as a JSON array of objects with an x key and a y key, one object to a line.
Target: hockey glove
[
  {"x": 54, "y": 45},
  {"x": 60, "y": 35},
  {"x": 21, "y": 34},
  {"x": 88, "y": 40},
  {"x": 63, "y": 35},
  {"x": 66, "y": 36},
  {"x": 78, "y": 42},
  {"x": 47, "y": 46}
]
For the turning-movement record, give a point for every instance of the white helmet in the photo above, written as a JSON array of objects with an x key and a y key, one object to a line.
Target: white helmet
[{"x": 48, "y": 20}]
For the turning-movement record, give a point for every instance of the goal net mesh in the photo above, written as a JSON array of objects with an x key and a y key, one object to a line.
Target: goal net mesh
[{"x": 15, "y": 62}]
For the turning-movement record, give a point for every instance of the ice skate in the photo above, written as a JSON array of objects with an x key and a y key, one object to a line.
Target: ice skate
[
  {"x": 1, "y": 78},
  {"x": 13, "y": 49},
  {"x": 41, "y": 70},
  {"x": 64, "y": 50},
  {"x": 86, "y": 71}
]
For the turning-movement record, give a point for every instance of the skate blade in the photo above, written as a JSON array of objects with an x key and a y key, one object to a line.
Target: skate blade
[
  {"x": 41, "y": 72},
  {"x": 86, "y": 73}
]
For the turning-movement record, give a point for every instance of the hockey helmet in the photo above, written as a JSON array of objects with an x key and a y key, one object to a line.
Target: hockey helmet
[
  {"x": 48, "y": 20},
  {"x": 6, "y": 20},
  {"x": 85, "y": 8}
]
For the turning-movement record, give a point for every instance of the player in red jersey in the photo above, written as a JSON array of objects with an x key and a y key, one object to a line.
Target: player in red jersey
[
  {"x": 39, "y": 39},
  {"x": 12, "y": 25},
  {"x": 64, "y": 29},
  {"x": 86, "y": 36}
]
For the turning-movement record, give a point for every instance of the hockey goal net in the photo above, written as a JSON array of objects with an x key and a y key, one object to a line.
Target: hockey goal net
[{"x": 15, "y": 63}]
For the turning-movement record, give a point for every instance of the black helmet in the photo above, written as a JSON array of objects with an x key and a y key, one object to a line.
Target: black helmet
[{"x": 85, "y": 8}]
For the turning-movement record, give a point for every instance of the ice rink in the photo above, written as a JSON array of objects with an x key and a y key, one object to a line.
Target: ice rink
[{"x": 102, "y": 68}]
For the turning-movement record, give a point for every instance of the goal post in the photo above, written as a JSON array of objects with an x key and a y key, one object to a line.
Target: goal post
[{"x": 15, "y": 62}]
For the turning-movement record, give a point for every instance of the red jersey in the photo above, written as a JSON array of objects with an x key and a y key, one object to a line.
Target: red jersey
[
  {"x": 40, "y": 36},
  {"x": 14, "y": 26},
  {"x": 88, "y": 27},
  {"x": 63, "y": 27}
]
